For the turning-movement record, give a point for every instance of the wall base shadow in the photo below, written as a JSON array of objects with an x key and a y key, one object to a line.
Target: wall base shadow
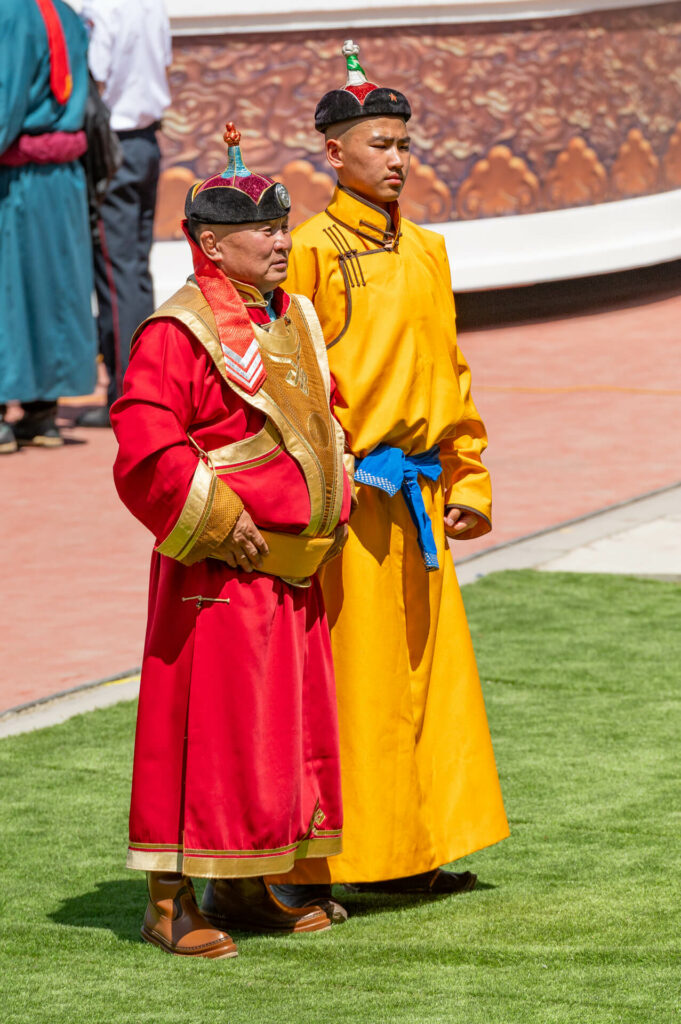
[{"x": 556, "y": 300}]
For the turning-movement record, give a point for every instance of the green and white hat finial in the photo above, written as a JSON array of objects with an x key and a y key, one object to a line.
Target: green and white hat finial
[
  {"x": 359, "y": 98},
  {"x": 356, "y": 74}
]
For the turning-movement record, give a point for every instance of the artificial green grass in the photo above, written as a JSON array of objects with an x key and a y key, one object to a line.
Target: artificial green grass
[{"x": 575, "y": 918}]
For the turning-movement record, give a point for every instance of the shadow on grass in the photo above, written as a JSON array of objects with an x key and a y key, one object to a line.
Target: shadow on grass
[
  {"x": 366, "y": 904},
  {"x": 116, "y": 905}
]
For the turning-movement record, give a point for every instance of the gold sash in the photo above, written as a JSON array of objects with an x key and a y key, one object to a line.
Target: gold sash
[
  {"x": 292, "y": 556},
  {"x": 294, "y": 398}
]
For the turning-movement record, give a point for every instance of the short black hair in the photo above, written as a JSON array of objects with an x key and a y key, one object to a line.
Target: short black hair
[{"x": 195, "y": 227}]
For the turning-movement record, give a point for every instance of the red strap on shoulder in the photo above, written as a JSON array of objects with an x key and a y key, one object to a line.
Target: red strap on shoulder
[
  {"x": 243, "y": 363},
  {"x": 61, "y": 81}
]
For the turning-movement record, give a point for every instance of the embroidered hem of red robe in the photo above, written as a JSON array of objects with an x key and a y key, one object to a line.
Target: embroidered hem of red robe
[
  {"x": 236, "y": 768},
  {"x": 236, "y": 758}
]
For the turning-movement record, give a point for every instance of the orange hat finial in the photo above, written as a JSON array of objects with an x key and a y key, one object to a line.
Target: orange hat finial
[{"x": 232, "y": 136}]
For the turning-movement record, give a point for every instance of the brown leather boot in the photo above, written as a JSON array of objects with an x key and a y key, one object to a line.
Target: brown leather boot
[
  {"x": 250, "y": 905},
  {"x": 174, "y": 923}
]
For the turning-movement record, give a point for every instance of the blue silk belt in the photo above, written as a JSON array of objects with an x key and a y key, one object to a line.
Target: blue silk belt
[{"x": 391, "y": 470}]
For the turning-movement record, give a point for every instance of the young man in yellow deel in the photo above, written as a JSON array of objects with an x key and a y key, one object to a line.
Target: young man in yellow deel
[{"x": 420, "y": 785}]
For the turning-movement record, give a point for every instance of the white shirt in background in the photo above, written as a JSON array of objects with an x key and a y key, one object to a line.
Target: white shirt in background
[{"x": 129, "y": 52}]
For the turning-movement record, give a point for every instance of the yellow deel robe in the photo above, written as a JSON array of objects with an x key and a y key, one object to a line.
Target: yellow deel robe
[{"x": 420, "y": 785}]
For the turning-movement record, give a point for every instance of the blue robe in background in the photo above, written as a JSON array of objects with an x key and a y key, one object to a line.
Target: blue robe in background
[{"x": 47, "y": 332}]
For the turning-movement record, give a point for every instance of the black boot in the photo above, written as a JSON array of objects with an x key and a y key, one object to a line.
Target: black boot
[
  {"x": 97, "y": 417},
  {"x": 312, "y": 895},
  {"x": 8, "y": 442},
  {"x": 250, "y": 905},
  {"x": 431, "y": 883},
  {"x": 38, "y": 426}
]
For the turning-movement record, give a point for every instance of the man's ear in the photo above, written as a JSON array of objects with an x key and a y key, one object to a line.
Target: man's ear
[
  {"x": 334, "y": 153},
  {"x": 208, "y": 243}
]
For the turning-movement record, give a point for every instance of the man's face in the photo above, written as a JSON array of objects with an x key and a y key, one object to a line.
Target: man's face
[
  {"x": 255, "y": 253},
  {"x": 372, "y": 158}
]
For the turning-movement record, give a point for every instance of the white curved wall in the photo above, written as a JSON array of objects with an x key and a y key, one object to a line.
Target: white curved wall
[
  {"x": 500, "y": 252},
  {"x": 199, "y": 16}
]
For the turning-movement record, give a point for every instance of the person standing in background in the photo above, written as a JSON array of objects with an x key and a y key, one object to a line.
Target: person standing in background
[
  {"x": 47, "y": 332},
  {"x": 130, "y": 50},
  {"x": 419, "y": 779}
]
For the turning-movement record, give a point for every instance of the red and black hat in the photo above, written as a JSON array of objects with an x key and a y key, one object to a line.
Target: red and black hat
[
  {"x": 358, "y": 98},
  {"x": 237, "y": 195}
]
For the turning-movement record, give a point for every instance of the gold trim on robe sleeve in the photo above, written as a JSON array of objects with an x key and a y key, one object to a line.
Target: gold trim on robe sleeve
[
  {"x": 209, "y": 513},
  {"x": 249, "y": 453}
]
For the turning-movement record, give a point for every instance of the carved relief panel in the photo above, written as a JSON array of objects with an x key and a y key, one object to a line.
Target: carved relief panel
[{"x": 507, "y": 118}]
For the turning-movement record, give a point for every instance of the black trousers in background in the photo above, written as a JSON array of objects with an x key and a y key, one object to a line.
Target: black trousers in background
[{"x": 122, "y": 278}]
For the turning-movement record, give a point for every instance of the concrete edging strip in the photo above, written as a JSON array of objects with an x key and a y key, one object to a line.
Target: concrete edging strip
[
  {"x": 59, "y": 707},
  {"x": 538, "y": 548},
  {"x": 528, "y": 552}
]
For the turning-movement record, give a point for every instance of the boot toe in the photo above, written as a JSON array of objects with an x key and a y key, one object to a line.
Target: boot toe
[{"x": 210, "y": 943}]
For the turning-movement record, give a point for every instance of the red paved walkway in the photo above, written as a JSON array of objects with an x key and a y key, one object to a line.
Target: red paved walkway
[{"x": 582, "y": 413}]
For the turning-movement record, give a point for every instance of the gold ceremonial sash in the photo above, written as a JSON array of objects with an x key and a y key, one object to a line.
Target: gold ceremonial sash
[
  {"x": 294, "y": 398},
  {"x": 293, "y": 555}
]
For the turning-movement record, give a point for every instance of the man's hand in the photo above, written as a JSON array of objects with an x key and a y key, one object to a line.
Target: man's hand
[
  {"x": 340, "y": 536},
  {"x": 244, "y": 545},
  {"x": 458, "y": 520}
]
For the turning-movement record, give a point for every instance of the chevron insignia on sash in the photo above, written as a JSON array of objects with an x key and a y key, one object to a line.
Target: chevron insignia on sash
[
  {"x": 245, "y": 370},
  {"x": 243, "y": 362}
]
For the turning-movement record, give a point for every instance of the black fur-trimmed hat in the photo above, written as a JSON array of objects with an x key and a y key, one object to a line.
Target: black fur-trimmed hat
[
  {"x": 237, "y": 195},
  {"x": 358, "y": 98}
]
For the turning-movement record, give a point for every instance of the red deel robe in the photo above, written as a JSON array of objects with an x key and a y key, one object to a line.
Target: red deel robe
[{"x": 236, "y": 766}]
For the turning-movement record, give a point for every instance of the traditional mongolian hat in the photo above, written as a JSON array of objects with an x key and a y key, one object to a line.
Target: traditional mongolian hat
[
  {"x": 358, "y": 98},
  {"x": 237, "y": 195}
]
